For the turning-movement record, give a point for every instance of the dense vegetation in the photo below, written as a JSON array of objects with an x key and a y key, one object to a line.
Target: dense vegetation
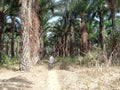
[{"x": 82, "y": 31}]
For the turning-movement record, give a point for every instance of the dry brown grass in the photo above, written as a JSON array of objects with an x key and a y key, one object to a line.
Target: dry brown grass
[
  {"x": 74, "y": 78},
  {"x": 91, "y": 78}
]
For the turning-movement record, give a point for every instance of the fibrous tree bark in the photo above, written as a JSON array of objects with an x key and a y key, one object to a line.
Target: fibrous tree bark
[
  {"x": 34, "y": 33},
  {"x": 84, "y": 44},
  {"x": 30, "y": 33},
  {"x": 71, "y": 51},
  {"x": 25, "y": 13}
]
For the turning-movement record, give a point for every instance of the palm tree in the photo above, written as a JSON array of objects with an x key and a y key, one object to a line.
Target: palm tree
[
  {"x": 25, "y": 10},
  {"x": 12, "y": 11},
  {"x": 82, "y": 7},
  {"x": 2, "y": 16},
  {"x": 68, "y": 15},
  {"x": 113, "y": 8},
  {"x": 8, "y": 8},
  {"x": 44, "y": 16},
  {"x": 67, "y": 27},
  {"x": 34, "y": 32},
  {"x": 84, "y": 45},
  {"x": 101, "y": 10},
  {"x": 31, "y": 30},
  {"x": 1, "y": 30}
]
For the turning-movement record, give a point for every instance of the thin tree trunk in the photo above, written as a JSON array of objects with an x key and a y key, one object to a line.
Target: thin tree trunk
[
  {"x": 71, "y": 38},
  {"x": 66, "y": 44},
  {"x": 101, "y": 25},
  {"x": 56, "y": 50},
  {"x": 12, "y": 39},
  {"x": 1, "y": 31},
  {"x": 7, "y": 48},
  {"x": 63, "y": 47},
  {"x": 42, "y": 50},
  {"x": 113, "y": 39},
  {"x": 60, "y": 46},
  {"x": 113, "y": 7}
]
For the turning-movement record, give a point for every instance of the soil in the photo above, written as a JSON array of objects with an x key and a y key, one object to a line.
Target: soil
[{"x": 73, "y": 78}]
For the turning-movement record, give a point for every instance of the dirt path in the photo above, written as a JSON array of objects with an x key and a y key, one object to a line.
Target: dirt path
[
  {"x": 52, "y": 81},
  {"x": 40, "y": 78}
]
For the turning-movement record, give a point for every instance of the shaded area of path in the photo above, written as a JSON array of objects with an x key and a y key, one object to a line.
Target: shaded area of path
[
  {"x": 14, "y": 83},
  {"x": 52, "y": 81},
  {"x": 11, "y": 80}
]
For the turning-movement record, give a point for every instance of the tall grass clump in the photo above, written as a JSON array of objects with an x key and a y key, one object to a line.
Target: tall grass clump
[
  {"x": 66, "y": 61},
  {"x": 90, "y": 59}
]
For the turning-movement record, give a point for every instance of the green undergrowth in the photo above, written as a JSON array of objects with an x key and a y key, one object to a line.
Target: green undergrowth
[
  {"x": 92, "y": 58},
  {"x": 7, "y": 61}
]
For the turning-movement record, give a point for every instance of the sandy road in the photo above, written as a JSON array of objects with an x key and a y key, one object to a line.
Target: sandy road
[{"x": 52, "y": 81}]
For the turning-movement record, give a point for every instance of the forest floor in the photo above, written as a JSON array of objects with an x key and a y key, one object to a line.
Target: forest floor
[{"x": 73, "y": 78}]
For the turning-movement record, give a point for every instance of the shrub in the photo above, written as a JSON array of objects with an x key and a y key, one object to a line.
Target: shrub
[{"x": 7, "y": 60}]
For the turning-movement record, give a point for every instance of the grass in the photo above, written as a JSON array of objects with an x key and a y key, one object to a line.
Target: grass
[
  {"x": 8, "y": 61},
  {"x": 92, "y": 78},
  {"x": 91, "y": 59}
]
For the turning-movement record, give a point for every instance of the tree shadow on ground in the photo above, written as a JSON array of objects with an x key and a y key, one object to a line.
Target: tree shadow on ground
[
  {"x": 15, "y": 83},
  {"x": 13, "y": 68}
]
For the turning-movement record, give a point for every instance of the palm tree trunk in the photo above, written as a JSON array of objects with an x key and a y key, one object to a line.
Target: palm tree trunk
[
  {"x": 84, "y": 44},
  {"x": 0, "y": 44},
  {"x": 60, "y": 46},
  {"x": 1, "y": 31},
  {"x": 42, "y": 50},
  {"x": 101, "y": 25},
  {"x": 113, "y": 43},
  {"x": 34, "y": 39},
  {"x": 35, "y": 33},
  {"x": 25, "y": 62},
  {"x": 30, "y": 34},
  {"x": 66, "y": 44},
  {"x": 56, "y": 52},
  {"x": 7, "y": 48},
  {"x": 71, "y": 38},
  {"x": 63, "y": 47},
  {"x": 113, "y": 7},
  {"x": 12, "y": 39}
]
